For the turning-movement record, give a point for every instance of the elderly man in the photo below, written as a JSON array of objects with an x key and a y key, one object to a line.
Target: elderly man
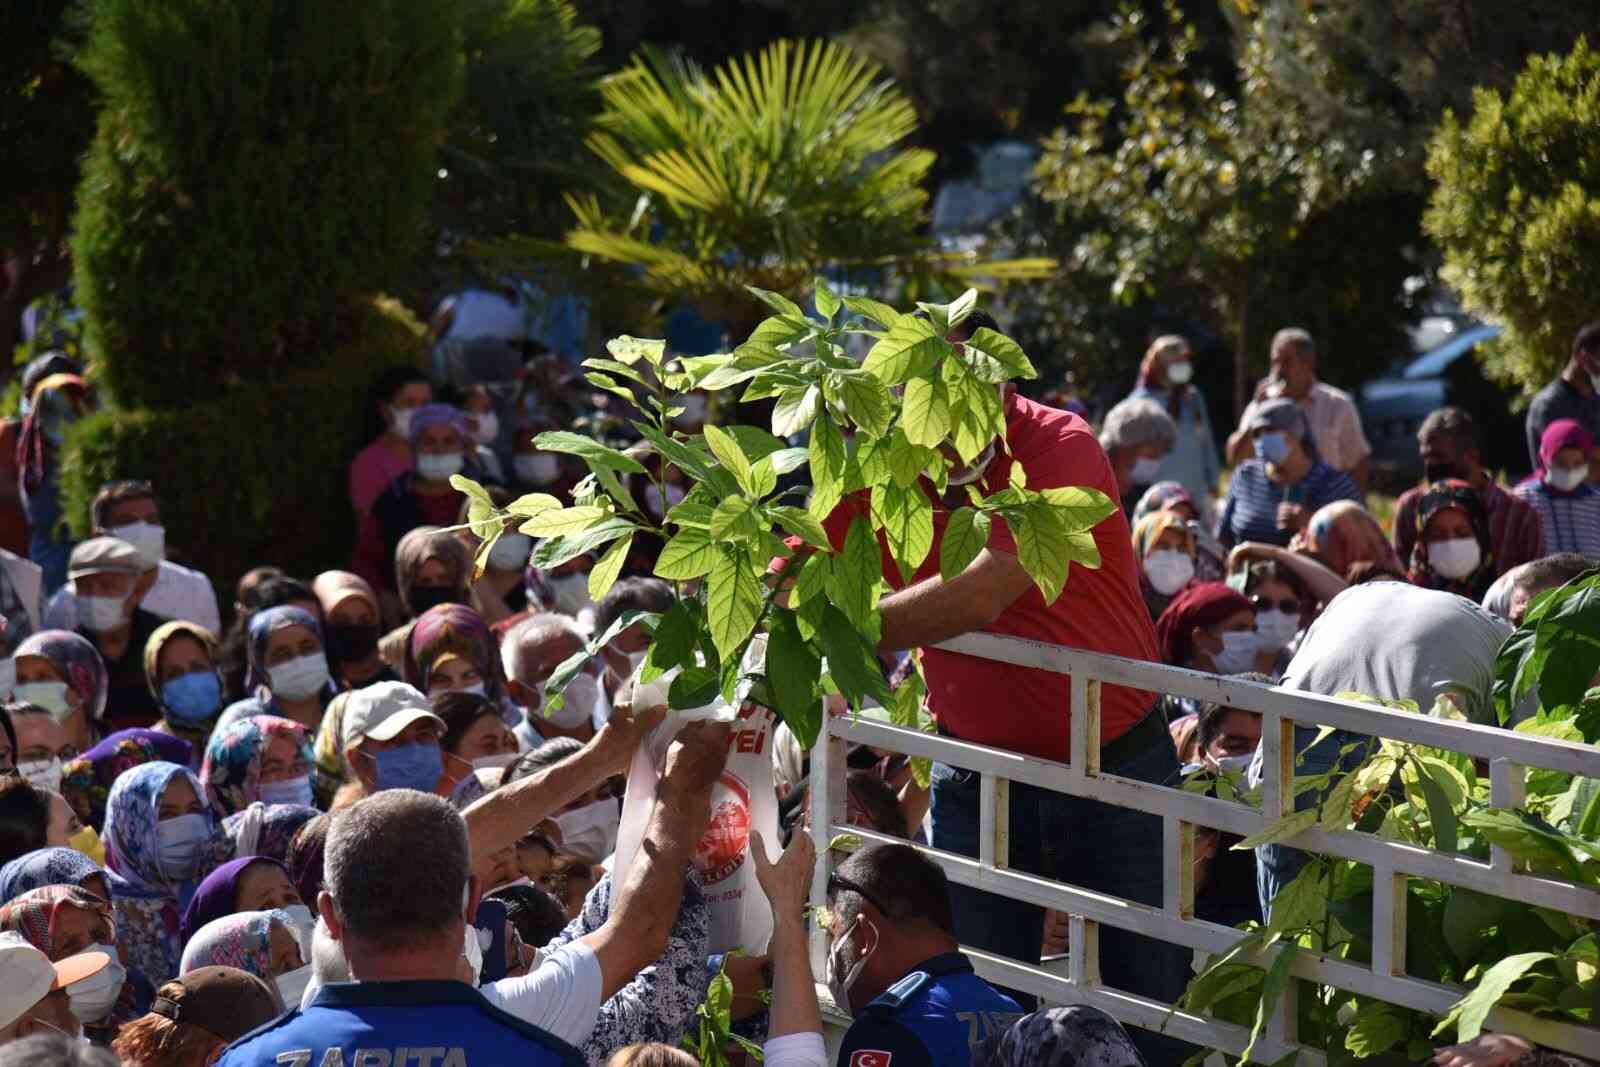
[
  {"x": 1137, "y": 435},
  {"x": 397, "y": 891},
  {"x": 129, "y": 511},
  {"x": 530, "y": 653},
  {"x": 34, "y": 992},
  {"x": 1335, "y": 423},
  {"x": 109, "y": 580}
]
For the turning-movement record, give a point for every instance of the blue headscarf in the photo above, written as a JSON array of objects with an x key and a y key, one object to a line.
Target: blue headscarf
[
  {"x": 45, "y": 866},
  {"x": 263, "y": 624}
]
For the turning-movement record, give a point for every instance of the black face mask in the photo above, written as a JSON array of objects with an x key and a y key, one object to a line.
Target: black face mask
[
  {"x": 424, "y": 597},
  {"x": 351, "y": 641},
  {"x": 1438, "y": 472}
]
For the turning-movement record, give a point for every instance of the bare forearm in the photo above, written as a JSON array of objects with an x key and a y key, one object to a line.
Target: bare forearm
[
  {"x": 935, "y": 610},
  {"x": 794, "y": 995},
  {"x": 1320, "y": 581},
  {"x": 500, "y": 819}
]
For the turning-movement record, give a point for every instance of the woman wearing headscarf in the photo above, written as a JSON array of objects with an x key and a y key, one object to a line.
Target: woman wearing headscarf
[
  {"x": 1453, "y": 553},
  {"x": 1567, "y": 503},
  {"x": 1343, "y": 534},
  {"x": 1207, "y": 627},
  {"x": 263, "y": 758},
  {"x": 1210, "y": 563},
  {"x": 422, "y": 497},
  {"x": 288, "y": 675},
  {"x": 253, "y": 883},
  {"x": 1163, "y": 543},
  {"x": 1166, "y": 376},
  {"x": 353, "y": 628},
  {"x": 1077, "y": 1036},
  {"x": 1272, "y": 497},
  {"x": 62, "y": 921},
  {"x": 58, "y": 401},
  {"x": 266, "y": 829},
  {"x": 261, "y": 943},
  {"x": 304, "y": 861},
  {"x": 86, "y": 781},
  {"x": 431, "y": 567},
  {"x": 53, "y": 866},
  {"x": 161, "y": 840},
  {"x": 331, "y": 771},
  {"x": 180, "y": 666},
  {"x": 61, "y": 672},
  {"x": 449, "y": 649},
  {"x": 394, "y": 398}
]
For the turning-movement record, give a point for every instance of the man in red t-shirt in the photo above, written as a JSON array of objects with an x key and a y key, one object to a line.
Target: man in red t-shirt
[{"x": 1022, "y": 709}]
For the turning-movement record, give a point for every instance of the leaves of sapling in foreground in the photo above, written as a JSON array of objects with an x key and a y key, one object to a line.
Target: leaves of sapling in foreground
[
  {"x": 733, "y": 599},
  {"x": 587, "y": 449},
  {"x": 1468, "y": 1013},
  {"x": 872, "y": 310},
  {"x": 792, "y": 670},
  {"x": 852, "y": 661},
  {"x": 1042, "y": 547},
  {"x": 694, "y": 687},
  {"x": 912, "y": 348},
  {"x": 865, "y": 399},
  {"x": 827, "y": 458},
  {"x": 826, "y": 299},
  {"x": 1004, "y": 350},
  {"x": 603, "y": 575},
  {"x": 631, "y": 350},
  {"x": 689, "y": 554},
  {"x": 906, "y": 518},
  {"x": 554, "y": 551},
  {"x": 965, "y": 535},
  {"x": 673, "y": 643},
  {"x": 853, "y": 577},
  {"x": 797, "y": 407},
  {"x": 730, "y": 455}
]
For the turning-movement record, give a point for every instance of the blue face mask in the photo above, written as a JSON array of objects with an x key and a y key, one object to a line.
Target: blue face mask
[
  {"x": 409, "y": 767},
  {"x": 1272, "y": 447},
  {"x": 192, "y": 697}
]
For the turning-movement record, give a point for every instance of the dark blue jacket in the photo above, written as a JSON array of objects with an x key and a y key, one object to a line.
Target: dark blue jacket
[{"x": 939, "y": 1015}]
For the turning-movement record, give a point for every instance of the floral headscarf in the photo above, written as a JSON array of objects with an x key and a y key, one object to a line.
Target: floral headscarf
[
  {"x": 56, "y": 397},
  {"x": 33, "y": 915},
  {"x": 265, "y": 623},
  {"x": 46, "y": 866},
  {"x": 1163, "y": 496},
  {"x": 215, "y": 897},
  {"x": 1148, "y": 530},
  {"x": 86, "y": 781},
  {"x": 420, "y": 545},
  {"x": 147, "y": 902},
  {"x": 266, "y": 829},
  {"x": 196, "y": 733},
  {"x": 232, "y": 768},
  {"x": 1440, "y": 496},
  {"x": 452, "y": 630},
  {"x": 242, "y": 940},
  {"x": 77, "y": 662},
  {"x": 1343, "y": 533},
  {"x": 332, "y": 770}
]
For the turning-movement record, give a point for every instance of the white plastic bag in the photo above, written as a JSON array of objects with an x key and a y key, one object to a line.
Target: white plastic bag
[{"x": 741, "y": 801}]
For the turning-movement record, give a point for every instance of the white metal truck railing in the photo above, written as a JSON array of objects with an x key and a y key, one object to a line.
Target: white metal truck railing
[{"x": 1509, "y": 756}]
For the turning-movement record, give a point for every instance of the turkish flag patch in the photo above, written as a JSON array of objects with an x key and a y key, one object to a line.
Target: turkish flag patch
[{"x": 870, "y": 1057}]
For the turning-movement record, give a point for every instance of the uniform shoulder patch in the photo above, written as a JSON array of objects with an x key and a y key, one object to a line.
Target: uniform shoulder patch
[{"x": 893, "y": 998}]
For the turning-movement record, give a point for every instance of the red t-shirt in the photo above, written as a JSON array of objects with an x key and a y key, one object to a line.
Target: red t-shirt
[{"x": 1023, "y": 709}]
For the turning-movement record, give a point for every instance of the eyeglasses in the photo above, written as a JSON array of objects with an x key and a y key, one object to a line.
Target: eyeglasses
[
  {"x": 837, "y": 882},
  {"x": 1288, "y": 605}
]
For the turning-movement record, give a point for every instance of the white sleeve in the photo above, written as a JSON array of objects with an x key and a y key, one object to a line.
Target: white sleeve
[
  {"x": 795, "y": 1050},
  {"x": 561, "y": 996}
]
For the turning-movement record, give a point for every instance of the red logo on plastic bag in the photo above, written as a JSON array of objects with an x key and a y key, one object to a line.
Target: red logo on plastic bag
[{"x": 725, "y": 843}]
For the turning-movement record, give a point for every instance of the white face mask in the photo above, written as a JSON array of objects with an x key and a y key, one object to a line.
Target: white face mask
[
  {"x": 400, "y": 420},
  {"x": 288, "y": 791},
  {"x": 511, "y": 552},
  {"x": 147, "y": 538},
  {"x": 591, "y": 831},
  {"x": 1233, "y": 764},
  {"x": 301, "y": 924},
  {"x": 1274, "y": 629},
  {"x": 490, "y": 763},
  {"x": 1180, "y": 373},
  {"x": 840, "y": 984},
  {"x": 577, "y": 703},
  {"x": 51, "y": 696},
  {"x": 1455, "y": 558},
  {"x": 488, "y": 427},
  {"x": 571, "y": 592},
  {"x": 1168, "y": 570},
  {"x": 1565, "y": 479},
  {"x": 1239, "y": 648},
  {"x": 92, "y": 998},
  {"x": 43, "y": 773},
  {"x": 1145, "y": 471},
  {"x": 975, "y": 470},
  {"x": 300, "y": 677},
  {"x": 536, "y": 468},
  {"x": 180, "y": 841},
  {"x": 438, "y": 466},
  {"x": 102, "y": 614},
  {"x": 292, "y": 985}
]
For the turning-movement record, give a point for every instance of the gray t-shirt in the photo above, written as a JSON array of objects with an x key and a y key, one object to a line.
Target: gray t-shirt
[{"x": 1559, "y": 400}]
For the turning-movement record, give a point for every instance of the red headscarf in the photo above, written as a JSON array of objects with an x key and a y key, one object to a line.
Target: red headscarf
[
  {"x": 1202, "y": 604},
  {"x": 1562, "y": 433}
]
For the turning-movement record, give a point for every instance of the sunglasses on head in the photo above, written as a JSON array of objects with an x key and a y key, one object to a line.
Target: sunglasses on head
[
  {"x": 837, "y": 882},
  {"x": 1288, "y": 605}
]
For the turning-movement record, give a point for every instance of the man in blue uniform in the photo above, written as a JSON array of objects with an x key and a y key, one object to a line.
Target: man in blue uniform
[{"x": 894, "y": 966}]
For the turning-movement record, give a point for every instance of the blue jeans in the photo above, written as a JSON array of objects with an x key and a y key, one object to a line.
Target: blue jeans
[{"x": 1084, "y": 843}]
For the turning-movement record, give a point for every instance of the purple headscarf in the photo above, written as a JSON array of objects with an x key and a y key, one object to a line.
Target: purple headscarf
[
  {"x": 86, "y": 780},
  {"x": 429, "y": 415},
  {"x": 215, "y": 896}
]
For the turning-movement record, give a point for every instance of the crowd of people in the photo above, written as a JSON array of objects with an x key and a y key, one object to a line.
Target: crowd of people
[{"x": 351, "y": 828}]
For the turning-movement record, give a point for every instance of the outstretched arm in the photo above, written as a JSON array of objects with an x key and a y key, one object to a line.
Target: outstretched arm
[{"x": 935, "y": 610}]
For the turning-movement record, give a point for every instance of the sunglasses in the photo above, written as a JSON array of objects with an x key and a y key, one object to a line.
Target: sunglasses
[{"x": 1288, "y": 605}]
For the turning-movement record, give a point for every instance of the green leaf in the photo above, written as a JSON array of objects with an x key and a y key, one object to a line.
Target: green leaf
[
  {"x": 1281, "y": 830},
  {"x": 733, "y": 600},
  {"x": 630, "y": 350},
  {"x": 1277, "y": 981},
  {"x": 735, "y": 519},
  {"x": 855, "y": 572},
  {"x": 588, "y": 449},
  {"x": 780, "y": 330},
  {"x": 689, "y": 554},
  {"x": 867, "y": 308},
  {"x": 672, "y": 645},
  {"x": 1530, "y": 841},
  {"x": 1468, "y": 1013},
  {"x": 1376, "y": 1028},
  {"x": 911, "y": 348},
  {"x": 803, "y": 525},
  {"x": 554, "y": 551},
  {"x": 925, "y": 412},
  {"x": 785, "y": 460},
  {"x": 729, "y": 454},
  {"x": 1079, "y": 508},
  {"x": 565, "y": 521},
  {"x": 729, "y": 374},
  {"x": 827, "y": 457},
  {"x": 797, "y": 407},
  {"x": 777, "y": 302},
  {"x": 792, "y": 670},
  {"x": 532, "y": 504},
  {"x": 906, "y": 517},
  {"x": 603, "y": 575},
  {"x": 826, "y": 300},
  {"x": 866, "y": 400},
  {"x": 957, "y": 310},
  {"x": 976, "y": 415},
  {"x": 604, "y": 381},
  {"x": 1042, "y": 548},
  {"x": 1003, "y": 350},
  {"x": 852, "y": 662},
  {"x": 686, "y": 458},
  {"x": 755, "y": 442},
  {"x": 1440, "y": 815},
  {"x": 906, "y": 461},
  {"x": 965, "y": 535},
  {"x": 613, "y": 367},
  {"x": 694, "y": 687}
]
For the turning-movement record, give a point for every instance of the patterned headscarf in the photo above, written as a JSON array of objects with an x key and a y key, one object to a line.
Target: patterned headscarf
[
  {"x": 1148, "y": 530},
  {"x": 1077, "y": 1036},
  {"x": 1343, "y": 533},
  {"x": 232, "y": 768},
  {"x": 453, "y": 630},
  {"x": 332, "y": 770},
  {"x": 1454, "y": 493},
  {"x": 216, "y": 896},
  {"x": 86, "y": 781},
  {"x": 46, "y": 866},
  {"x": 242, "y": 940},
  {"x": 420, "y": 545},
  {"x": 195, "y": 733},
  {"x": 54, "y": 397},
  {"x": 1163, "y": 496},
  {"x": 33, "y": 915},
  {"x": 266, "y": 829},
  {"x": 76, "y": 661},
  {"x": 265, "y": 623}
]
